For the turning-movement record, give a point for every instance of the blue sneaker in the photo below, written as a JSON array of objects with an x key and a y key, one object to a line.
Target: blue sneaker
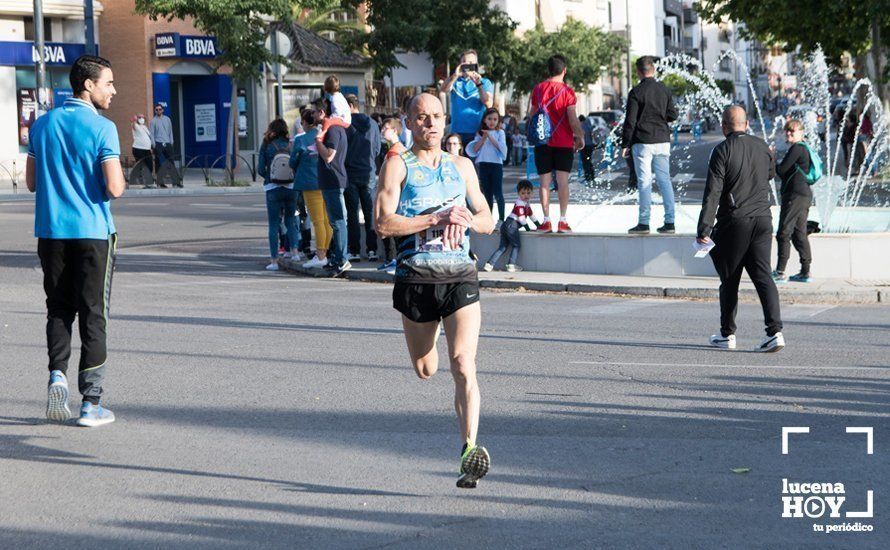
[
  {"x": 779, "y": 277},
  {"x": 94, "y": 415},
  {"x": 389, "y": 267},
  {"x": 57, "y": 397},
  {"x": 801, "y": 278}
]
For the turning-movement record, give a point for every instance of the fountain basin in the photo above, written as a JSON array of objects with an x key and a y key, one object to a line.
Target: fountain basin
[{"x": 601, "y": 246}]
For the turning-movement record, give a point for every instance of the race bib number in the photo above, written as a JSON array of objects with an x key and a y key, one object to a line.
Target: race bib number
[{"x": 431, "y": 240}]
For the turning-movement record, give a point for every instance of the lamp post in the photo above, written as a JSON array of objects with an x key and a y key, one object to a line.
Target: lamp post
[
  {"x": 627, "y": 35},
  {"x": 40, "y": 68},
  {"x": 89, "y": 28}
]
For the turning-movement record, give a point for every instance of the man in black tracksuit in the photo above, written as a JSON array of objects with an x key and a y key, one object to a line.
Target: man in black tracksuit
[
  {"x": 363, "y": 137},
  {"x": 796, "y": 200},
  {"x": 737, "y": 193}
]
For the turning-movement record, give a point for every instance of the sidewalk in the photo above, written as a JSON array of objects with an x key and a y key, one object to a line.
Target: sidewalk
[
  {"x": 192, "y": 184},
  {"x": 697, "y": 288}
]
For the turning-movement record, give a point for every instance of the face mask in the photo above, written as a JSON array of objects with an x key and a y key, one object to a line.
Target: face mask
[{"x": 140, "y": 120}]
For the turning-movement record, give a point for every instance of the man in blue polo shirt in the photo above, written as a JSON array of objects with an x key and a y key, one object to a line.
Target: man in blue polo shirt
[
  {"x": 74, "y": 168},
  {"x": 470, "y": 96}
]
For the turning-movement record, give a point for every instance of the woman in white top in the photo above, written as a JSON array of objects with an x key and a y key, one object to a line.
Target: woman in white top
[
  {"x": 141, "y": 150},
  {"x": 489, "y": 148}
]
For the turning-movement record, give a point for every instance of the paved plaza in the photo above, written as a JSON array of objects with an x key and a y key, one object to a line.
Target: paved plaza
[{"x": 268, "y": 410}]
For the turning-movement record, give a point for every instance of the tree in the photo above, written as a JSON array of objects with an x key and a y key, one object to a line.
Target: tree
[
  {"x": 839, "y": 26},
  {"x": 240, "y": 28},
  {"x": 329, "y": 20},
  {"x": 589, "y": 52},
  {"x": 441, "y": 28}
]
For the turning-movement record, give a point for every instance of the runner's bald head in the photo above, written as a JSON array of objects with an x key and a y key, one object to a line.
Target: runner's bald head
[
  {"x": 735, "y": 119},
  {"x": 425, "y": 100},
  {"x": 426, "y": 120}
]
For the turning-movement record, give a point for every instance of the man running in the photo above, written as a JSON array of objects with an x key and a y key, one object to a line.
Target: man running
[
  {"x": 74, "y": 167},
  {"x": 421, "y": 198}
]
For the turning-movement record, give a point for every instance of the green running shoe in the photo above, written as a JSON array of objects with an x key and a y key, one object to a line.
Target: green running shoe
[{"x": 474, "y": 464}]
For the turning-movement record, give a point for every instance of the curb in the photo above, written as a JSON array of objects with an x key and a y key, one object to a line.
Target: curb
[
  {"x": 173, "y": 191},
  {"x": 865, "y": 296}
]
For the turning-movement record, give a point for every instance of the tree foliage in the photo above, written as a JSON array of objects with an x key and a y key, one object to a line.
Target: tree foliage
[
  {"x": 837, "y": 25},
  {"x": 240, "y": 26},
  {"x": 589, "y": 51},
  {"x": 441, "y": 28}
]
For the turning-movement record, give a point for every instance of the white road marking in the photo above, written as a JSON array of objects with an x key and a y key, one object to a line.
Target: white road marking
[
  {"x": 804, "y": 311},
  {"x": 712, "y": 366},
  {"x": 617, "y": 308}
]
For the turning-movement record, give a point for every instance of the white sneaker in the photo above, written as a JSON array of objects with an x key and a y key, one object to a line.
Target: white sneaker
[
  {"x": 488, "y": 267},
  {"x": 298, "y": 257},
  {"x": 353, "y": 257},
  {"x": 772, "y": 344},
  {"x": 315, "y": 262},
  {"x": 723, "y": 342},
  {"x": 513, "y": 268},
  {"x": 272, "y": 267}
]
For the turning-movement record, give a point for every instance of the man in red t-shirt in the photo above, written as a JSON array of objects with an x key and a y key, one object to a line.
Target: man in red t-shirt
[{"x": 558, "y": 99}]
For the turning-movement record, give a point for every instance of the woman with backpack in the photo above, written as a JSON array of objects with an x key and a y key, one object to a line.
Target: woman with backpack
[
  {"x": 278, "y": 182},
  {"x": 796, "y": 171}
]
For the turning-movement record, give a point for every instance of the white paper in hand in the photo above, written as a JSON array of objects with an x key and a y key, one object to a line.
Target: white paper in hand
[{"x": 702, "y": 250}]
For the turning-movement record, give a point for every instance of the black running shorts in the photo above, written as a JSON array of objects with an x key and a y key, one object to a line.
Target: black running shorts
[
  {"x": 424, "y": 303},
  {"x": 548, "y": 159}
]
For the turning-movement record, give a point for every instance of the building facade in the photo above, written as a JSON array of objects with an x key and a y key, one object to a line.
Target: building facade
[{"x": 64, "y": 42}]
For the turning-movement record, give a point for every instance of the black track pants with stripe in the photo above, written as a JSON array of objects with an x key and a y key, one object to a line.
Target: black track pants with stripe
[{"x": 77, "y": 277}]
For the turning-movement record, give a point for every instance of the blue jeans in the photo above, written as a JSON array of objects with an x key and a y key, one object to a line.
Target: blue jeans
[
  {"x": 509, "y": 238},
  {"x": 649, "y": 157},
  {"x": 276, "y": 200},
  {"x": 336, "y": 207}
]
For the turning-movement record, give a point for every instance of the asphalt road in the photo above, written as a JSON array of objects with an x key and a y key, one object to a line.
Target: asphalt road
[{"x": 262, "y": 410}]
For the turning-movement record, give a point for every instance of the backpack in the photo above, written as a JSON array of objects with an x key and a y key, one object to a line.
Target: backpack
[
  {"x": 815, "y": 173},
  {"x": 280, "y": 171},
  {"x": 540, "y": 127}
]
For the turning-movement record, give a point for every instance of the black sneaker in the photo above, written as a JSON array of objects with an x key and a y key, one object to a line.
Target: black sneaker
[
  {"x": 340, "y": 270},
  {"x": 667, "y": 228},
  {"x": 639, "y": 229}
]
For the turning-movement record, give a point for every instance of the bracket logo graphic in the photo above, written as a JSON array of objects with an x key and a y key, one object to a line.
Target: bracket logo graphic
[{"x": 816, "y": 499}]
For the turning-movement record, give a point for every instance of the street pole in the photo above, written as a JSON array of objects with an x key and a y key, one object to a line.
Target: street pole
[
  {"x": 40, "y": 69},
  {"x": 627, "y": 35},
  {"x": 279, "y": 92},
  {"x": 89, "y": 28}
]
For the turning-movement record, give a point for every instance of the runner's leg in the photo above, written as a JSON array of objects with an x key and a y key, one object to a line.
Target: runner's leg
[
  {"x": 462, "y": 332},
  {"x": 421, "y": 339}
]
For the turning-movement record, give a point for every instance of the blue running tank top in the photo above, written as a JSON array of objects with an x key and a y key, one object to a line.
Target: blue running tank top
[{"x": 422, "y": 257}]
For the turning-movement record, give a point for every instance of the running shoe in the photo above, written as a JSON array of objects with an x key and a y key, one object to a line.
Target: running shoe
[
  {"x": 801, "y": 278},
  {"x": 272, "y": 267},
  {"x": 488, "y": 267},
  {"x": 339, "y": 270},
  {"x": 92, "y": 416},
  {"x": 372, "y": 256},
  {"x": 474, "y": 464},
  {"x": 779, "y": 277},
  {"x": 57, "y": 397},
  {"x": 389, "y": 267},
  {"x": 772, "y": 344},
  {"x": 563, "y": 227},
  {"x": 314, "y": 263},
  {"x": 545, "y": 227},
  {"x": 353, "y": 257},
  {"x": 513, "y": 268},
  {"x": 639, "y": 229},
  {"x": 667, "y": 228},
  {"x": 723, "y": 342}
]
